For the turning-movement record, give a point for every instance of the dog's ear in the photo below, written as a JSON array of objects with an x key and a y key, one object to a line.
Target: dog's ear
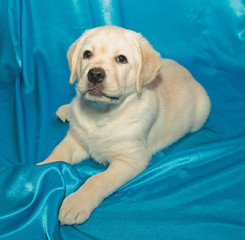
[
  {"x": 149, "y": 64},
  {"x": 72, "y": 56}
]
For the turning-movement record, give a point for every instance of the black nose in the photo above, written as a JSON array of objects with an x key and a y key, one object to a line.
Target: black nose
[{"x": 96, "y": 75}]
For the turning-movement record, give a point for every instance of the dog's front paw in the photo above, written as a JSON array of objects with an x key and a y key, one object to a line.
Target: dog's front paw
[
  {"x": 74, "y": 210},
  {"x": 63, "y": 113}
]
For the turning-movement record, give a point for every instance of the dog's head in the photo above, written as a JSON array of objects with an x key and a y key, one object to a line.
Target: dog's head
[{"x": 111, "y": 62}]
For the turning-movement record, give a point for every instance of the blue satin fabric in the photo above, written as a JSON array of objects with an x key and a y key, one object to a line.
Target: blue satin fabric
[{"x": 192, "y": 190}]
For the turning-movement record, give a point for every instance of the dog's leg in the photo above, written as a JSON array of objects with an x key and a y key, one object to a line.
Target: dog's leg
[
  {"x": 78, "y": 206},
  {"x": 63, "y": 113},
  {"x": 69, "y": 150}
]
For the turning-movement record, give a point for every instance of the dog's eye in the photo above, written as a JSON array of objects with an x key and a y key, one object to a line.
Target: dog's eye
[
  {"x": 121, "y": 59},
  {"x": 87, "y": 54}
]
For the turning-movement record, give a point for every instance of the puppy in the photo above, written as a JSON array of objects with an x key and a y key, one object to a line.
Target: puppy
[{"x": 129, "y": 104}]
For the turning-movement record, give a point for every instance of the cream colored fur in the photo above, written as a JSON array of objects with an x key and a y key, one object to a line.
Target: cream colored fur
[{"x": 148, "y": 104}]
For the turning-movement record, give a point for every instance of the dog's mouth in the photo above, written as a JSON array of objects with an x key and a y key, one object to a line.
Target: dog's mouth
[{"x": 98, "y": 93}]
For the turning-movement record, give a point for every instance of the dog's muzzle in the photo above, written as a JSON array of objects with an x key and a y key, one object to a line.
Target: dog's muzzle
[{"x": 96, "y": 77}]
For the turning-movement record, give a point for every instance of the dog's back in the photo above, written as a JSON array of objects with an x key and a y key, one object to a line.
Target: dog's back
[{"x": 183, "y": 105}]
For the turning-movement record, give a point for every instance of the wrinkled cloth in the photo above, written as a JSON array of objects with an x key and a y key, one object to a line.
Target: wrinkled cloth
[{"x": 192, "y": 190}]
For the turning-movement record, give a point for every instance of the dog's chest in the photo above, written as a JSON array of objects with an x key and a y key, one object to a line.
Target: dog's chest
[
  {"x": 96, "y": 134},
  {"x": 105, "y": 134},
  {"x": 102, "y": 136}
]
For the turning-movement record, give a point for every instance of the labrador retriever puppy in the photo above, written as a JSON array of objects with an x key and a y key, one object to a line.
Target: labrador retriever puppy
[{"x": 129, "y": 104}]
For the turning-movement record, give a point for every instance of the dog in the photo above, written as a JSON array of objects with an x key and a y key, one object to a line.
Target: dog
[{"x": 129, "y": 104}]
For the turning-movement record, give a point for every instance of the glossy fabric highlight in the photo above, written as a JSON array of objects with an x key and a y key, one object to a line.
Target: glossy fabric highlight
[{"x": 192, "y": 190}]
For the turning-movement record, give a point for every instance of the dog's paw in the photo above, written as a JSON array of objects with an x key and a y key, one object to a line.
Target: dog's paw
[
  {"x": 74, "y": 210},
  {"x": 63, "y": 113}
]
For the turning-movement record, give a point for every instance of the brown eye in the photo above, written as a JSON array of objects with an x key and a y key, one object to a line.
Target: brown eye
[
  {"x": 121, "y": 59},
  {"x": 87, "y": 54}
]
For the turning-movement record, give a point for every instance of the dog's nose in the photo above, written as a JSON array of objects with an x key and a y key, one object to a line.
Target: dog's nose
[{"x": 96, "y": 75}]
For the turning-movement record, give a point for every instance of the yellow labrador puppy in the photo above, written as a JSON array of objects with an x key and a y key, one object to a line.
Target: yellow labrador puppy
[{"x": 129, "y": 104}]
